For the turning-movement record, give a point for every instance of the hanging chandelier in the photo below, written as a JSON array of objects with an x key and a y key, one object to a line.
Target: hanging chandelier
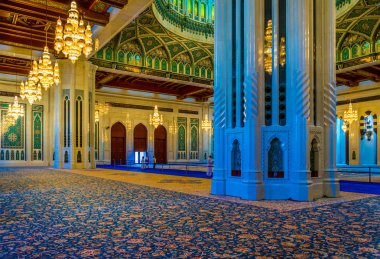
[
  {"x": 350, "y": 115},
  {"x": 47, "y": 75},
  {"x": 268, "y": 49},
  {"x": 156, "y": 119},
  {"x": 30, "y": 90},
  {"x": 344, "y": 126},
  {"x": 206, "y": 124},
  {"x": 96, "y": 116},
  {"x": 74, "y": 38},
  {"x": 16, "y": 110},
  {"x": 102, "y": 107}
]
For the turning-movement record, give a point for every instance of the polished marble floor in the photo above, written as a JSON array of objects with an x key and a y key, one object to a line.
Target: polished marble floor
[{"x": 58, "y": 214}]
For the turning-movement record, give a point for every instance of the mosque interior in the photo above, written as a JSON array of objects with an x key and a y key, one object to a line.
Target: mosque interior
[{"x": 112, "y": 111}]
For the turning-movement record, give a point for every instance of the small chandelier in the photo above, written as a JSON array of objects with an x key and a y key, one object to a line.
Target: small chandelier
[
  {"x": 46, "y": 74},
  {"x": 16, "y": 110},
  {"x": 350, "y": 115},
  {"x": 156, "y": 119},
  {"x": 268, "y": 49},
  {"x": 30, "y": 90},
  {"x": 74, "y": 38},
  {"x": 102, "y": 107},
  {"x": 206, "y": 124},
  {"x": 344, "y": 126},
  {"x": 96, "y": 116}
]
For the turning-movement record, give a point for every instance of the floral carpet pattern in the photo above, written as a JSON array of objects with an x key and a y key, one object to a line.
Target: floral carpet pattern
[{"x": 52, "y": 214}]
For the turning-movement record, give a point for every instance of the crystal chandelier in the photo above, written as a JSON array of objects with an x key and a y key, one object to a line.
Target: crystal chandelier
[
  {"x": 156, "y": 119},
  {"x": 30, "y": 90},
  {"x": 46, "y": 74},
  {"x": 350, "y": 115},
  {"x": 344, "y": 126},
  {"x": 206, "y": 124},
  {"x": 16, "y": 110},
  {"x": 74, "y": 38},
  {"x": 96, "y": 116},
  {"x": 268, "y": 49}
]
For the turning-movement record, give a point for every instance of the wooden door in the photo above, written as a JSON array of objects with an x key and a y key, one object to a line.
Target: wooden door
[
  {"x": 118, "y": 144},
  {"x": 140, "y": 134},
  {"x": 160, "y": 144}
]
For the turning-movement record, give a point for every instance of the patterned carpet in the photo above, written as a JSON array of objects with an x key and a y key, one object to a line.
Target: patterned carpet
[{"x": 55, "y": 215}]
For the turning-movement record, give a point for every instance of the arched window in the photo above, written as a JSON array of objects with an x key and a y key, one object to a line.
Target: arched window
[
  {"x": 180, "y": 68},
  {"x": 203, "y": 72},
  {"x": 314, "y": 158},
  {"x": 149, "y": 62},
  {"x": 196, "y": 71},
  {"x": 212, "y": 12},
  {"x": 203, "y": 10},
  {"x": 209, "y": 73},
  {"x": 130, "y": 58},
  {"x": 164, "y": 65},
  {"x": 157, "y": 63},
  {"x": 377, "y": 45},
  {"x": 99, "y": 54},
  {"x": 174, "y": 67},
  {"x": 235, "y": 159},
  {"x": 109, "y": 54},
  {"x": 187, "y": 69},
  {"x": 366, "y": 48},
  {"x": 189, "y": 7},
  {"x": 120, "y": 56},
  {"x": 181, "y": 4},
  {"x": 196, "y": 8},
  {"x": 345, "y": 54},
  {"x": 275, "y": 160},
  {"x": 138, "y": 60},
  {"x": 355, "y": 51}
]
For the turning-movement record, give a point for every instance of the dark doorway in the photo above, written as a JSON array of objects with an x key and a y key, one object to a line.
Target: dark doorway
[
  {"x": 140, "y": 143},
  {"x": 347, "y": 147},
  {"x": 118, "y": 144},
  {"x": 160, "y": 151}
]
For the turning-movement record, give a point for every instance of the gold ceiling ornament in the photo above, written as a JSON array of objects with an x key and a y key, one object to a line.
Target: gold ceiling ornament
[
  {"x": 128, "y": 122},
  {"x": 7, "y": 122},
  {"x": 206, "y": 124},
  {"x": 268, "y": 48},
  {"x": 156, "y": 119},
  {"x": 350, "y": 115},
  {"x": 73, "y": 38}
]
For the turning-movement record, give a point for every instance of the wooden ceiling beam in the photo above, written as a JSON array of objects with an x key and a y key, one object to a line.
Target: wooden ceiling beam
[
  {"x": 55, "y": 9},
  {"x": 146, "y": 87},
  {"x": 114, "y": 3}
]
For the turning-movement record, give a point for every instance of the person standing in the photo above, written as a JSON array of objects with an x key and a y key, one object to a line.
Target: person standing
[
  {"x": 142, "y": 163},
  {"x": 209, "y": 166},
  {"x": 154, "y": 162},
  {"x": 147, "y": 162}
]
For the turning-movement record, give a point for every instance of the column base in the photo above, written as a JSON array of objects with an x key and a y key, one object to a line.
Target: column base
[
  {"x": 252, "y": 191},
  {"x": 218, "y": 184},
  {"x": 331, "y": 185}
]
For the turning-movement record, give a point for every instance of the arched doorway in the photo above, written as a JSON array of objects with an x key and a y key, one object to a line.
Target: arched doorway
[
  {"x": 118, "y": 144},
  {"x": 160, "y": 151},
  {"x": 140, "y": 143}
]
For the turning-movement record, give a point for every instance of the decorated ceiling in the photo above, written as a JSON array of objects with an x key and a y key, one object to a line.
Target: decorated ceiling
[
  {"x": 357, "y": 30},
  {"x": 146, "y": 45}
]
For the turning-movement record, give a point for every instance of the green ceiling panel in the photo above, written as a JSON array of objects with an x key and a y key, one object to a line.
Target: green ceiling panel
[
  {"x": 150, "y": 43},
  {"x": 190, "y": 44},
  {"x": 199, "y": 54},
  {"x": 175, "y": 49},
  {"x": 356, "y": 13},
  {"x": 365, "y": 26}
]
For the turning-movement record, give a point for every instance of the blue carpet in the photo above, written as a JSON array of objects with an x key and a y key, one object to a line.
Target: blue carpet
[
  {"x": 360, "y": 187},
  {"x": 196, "y": 174},
  {"x": 51, "y": 214}
]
